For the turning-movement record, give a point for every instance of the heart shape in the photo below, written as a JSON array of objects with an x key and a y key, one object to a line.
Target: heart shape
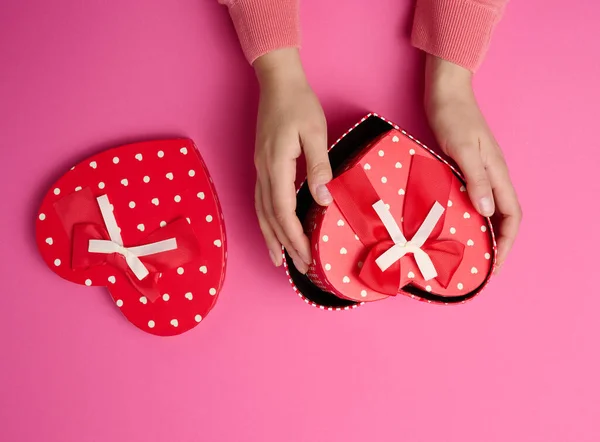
[
  {"x": 129, "y": 176},
  {"x": 169, "y": 176},
  {"x": 387, "y": 156}
]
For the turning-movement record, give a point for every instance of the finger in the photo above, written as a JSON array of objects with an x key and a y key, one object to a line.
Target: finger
[
  {"x": 478, "y": 185},
  {"x": 271, "y": 240},
  {"x": 265, "y": 186},
  {"x": 317, "y": 164},
  {"x": 283, "y": 193},
  {"x": 509, "y": 209}
]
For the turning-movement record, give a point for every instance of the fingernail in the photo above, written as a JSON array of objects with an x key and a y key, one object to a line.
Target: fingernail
[
  {"x": 486, "y": 206},
  {"x": 306, "y": 258},
  {"x": 300, "y": 266},
  {"x": 274, "y": 259},
  {"x": 323, "y": 195}
]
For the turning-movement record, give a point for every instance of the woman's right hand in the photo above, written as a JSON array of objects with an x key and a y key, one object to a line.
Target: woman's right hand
[{"x": 290, "y": 122}]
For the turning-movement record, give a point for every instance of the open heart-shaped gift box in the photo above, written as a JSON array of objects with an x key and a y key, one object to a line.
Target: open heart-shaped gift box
[
  {"x": 143, "y": 220},
  {"x": 401, "y": 223}
]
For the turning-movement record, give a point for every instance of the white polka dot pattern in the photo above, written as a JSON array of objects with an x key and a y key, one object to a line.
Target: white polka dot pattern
[
  {"x": 142, "y": 182},
  {"x": 465, "y": 230}
]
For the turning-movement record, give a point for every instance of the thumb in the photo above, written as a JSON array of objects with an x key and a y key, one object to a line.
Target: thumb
[
  {"x": 318, "y": 168},
  {"x": 478, "y": 183}
]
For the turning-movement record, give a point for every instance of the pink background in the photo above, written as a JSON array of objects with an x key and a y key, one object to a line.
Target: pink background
[{"x": 520, "y": 363}]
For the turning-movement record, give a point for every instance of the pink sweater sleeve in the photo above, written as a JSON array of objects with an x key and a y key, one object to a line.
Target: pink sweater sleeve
[
  {"x": 456, "y": 30},
  {"x": 265, "y": 25}
]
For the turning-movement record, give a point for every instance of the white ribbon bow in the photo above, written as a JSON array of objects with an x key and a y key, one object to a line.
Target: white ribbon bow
[
  {"x": 115, "y": 245},
  {"x": 402, "y": 246}
]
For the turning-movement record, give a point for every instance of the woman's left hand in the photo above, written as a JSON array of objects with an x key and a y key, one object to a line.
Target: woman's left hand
[{"x": 463, "y": 134}]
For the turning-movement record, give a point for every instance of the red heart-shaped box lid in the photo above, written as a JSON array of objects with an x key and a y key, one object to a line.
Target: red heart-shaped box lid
[
  {"x": 157, "y": 193},
  {"x": 377, "y": 161}
]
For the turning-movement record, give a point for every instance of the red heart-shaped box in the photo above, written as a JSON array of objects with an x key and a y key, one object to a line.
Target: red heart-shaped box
[
  {"x": 376, "y": 162},
  {"x": 143, "y": 220}
]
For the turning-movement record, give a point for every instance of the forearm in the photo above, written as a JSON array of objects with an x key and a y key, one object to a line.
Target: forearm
[
  {"x": 265, "y": 25},
  {"x": 459, "y": 31}
]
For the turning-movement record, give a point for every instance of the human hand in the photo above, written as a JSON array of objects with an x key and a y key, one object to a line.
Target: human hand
[
  {"x": 464, "y": 135},
  {"x": 290, "y": 122}
]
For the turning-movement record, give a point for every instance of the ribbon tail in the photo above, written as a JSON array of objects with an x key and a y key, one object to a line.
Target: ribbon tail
[
  {"x": 147, "y": 287},
  {"x": 389, "y": 257},
  {"x": 425, "y": 265},
  {"x": 137, "y": 267},
  {"x": 386, "y": 282},
  {"x": 447, "y": 256}
]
